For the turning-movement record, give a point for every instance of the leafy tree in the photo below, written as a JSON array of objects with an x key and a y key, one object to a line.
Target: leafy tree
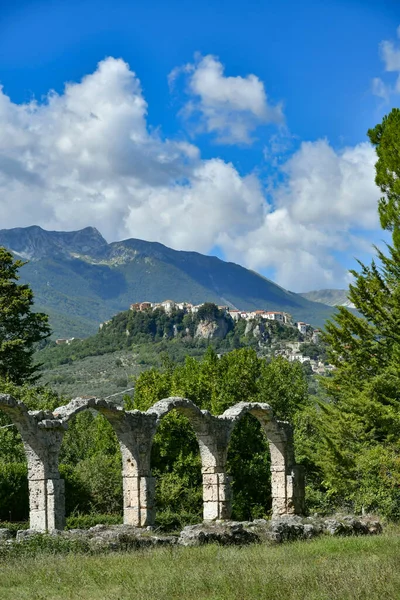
[
  {"x": 358, "y": 430},
  {"x": 215, "y": 384},
  {"x": 20, "y": 328},
  {"x": 385, "y": 138},
  {"x": 91, "y": 464},
  {"x": 283, "y": 385}
]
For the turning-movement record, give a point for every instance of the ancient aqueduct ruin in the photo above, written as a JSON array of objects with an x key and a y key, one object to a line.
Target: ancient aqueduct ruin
[{"x": 42, "y": 434}]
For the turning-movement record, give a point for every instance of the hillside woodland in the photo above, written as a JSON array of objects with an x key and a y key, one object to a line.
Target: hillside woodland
[{"x": 135, "y": 340}]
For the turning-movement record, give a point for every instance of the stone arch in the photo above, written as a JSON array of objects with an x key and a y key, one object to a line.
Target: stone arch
[
  {"x": 41, "y": 436},
  {"x": 287, "y": 481},
  {"x": 200, "y": 423},
  {"x": 133, "y": 430}
]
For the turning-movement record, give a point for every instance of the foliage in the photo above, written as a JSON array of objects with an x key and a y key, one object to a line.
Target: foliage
[
  {"x": 314, "y": 351},
  {"x": 20, "y": 328},
  {"x": 355, "y": 442},
  {"x": 216, "y": 383},
  {"x": 91, "y": 465},
  {"x": 85, "y": 521},
  {"x": 13, "y": 491},
  {"x": 385, "y": 138}
]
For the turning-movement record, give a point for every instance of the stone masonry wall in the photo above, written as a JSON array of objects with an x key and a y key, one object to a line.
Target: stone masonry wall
[{"x": 42, "y": 434}]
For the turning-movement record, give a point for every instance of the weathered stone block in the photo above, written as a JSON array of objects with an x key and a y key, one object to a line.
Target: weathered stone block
[
  {"x": 147, "y": 491},
  {"x": 130, "y": 492},
  {"x": 211, "y": 493},
  {"x": 211, "y": 511},
  {"x": 132, "y": 516},
  {"x": 37, "y": 495}
]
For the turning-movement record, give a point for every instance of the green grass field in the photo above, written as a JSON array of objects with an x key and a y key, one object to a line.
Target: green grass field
[{"x": 323, "y": 569}]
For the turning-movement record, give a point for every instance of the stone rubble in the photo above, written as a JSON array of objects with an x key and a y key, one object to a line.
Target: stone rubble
[{"x": 276, "y": 531}]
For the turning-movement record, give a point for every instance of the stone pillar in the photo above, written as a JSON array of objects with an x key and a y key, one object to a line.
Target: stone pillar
[
  {"x": 217, "y": 494},
  {"x": 139, "y": 509},
  {"x": 46, "y": 488},
  {"x": 46, "y": 504},
  {"x": 42, "y": 435},
  {"x": 296, "y": 491},
  {"x": 135, "y": 431},
  {"x": 287, "y": 478},
  {"x": 279, "y": 491}
]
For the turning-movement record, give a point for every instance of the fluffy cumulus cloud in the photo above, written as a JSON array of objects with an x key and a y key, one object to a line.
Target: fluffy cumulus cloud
[
  {"x": 390, "y": 54},
  {"x": 326, "y": 202},
  {"x": 87, "y": 157},
  {"x": 229, "y": 107}
]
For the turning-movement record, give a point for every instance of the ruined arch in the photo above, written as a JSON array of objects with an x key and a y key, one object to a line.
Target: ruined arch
[
  {"x": 199, "y": 422},
  {"x": 42, "y": 434},
  {"x": 287, "y": 481},
  {"x": 133, "y": 430}
]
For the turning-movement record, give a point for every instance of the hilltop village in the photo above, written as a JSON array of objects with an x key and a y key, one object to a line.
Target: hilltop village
[
  {"x": 291, "y": 350},
  {"x": 271, "y": 332}
]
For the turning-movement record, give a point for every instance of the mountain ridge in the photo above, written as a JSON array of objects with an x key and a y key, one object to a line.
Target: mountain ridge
[
  {"x": 82, "y": 280},
  {"x": 329, "y": 297}
]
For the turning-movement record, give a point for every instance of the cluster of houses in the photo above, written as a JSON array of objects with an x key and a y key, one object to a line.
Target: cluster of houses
[
  {"x": 269, "y": 315},
  {"x": 292, "y": 353},
  {"x": 272, "y": 315}
]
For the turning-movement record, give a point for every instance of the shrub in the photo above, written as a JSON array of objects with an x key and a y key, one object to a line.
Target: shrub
[{"x": 14, "y": 498}]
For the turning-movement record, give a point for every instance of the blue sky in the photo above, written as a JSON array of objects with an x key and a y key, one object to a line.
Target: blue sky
[{"x": 242, "y": 132}]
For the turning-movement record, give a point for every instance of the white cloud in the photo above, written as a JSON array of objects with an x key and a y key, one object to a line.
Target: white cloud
[
  {"x": 380, "y": 89},
  {"x": 86, "y": 157},
  {"x": 230, "y": 107},
  {"x": 390, "y": 54},
  {"x": 326, "y": 199}
]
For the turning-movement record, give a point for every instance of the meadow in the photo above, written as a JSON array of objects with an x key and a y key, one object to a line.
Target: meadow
[{"x": 353, "y": 568}]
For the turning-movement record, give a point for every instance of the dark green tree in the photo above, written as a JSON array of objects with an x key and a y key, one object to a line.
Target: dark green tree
[
  {"x": 20, "y": 328},
  {"x": 358, "y": 430},
  {"x": 385, "y": 138}
]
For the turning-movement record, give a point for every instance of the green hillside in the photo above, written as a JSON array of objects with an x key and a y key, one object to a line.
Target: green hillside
[
  {"x": 81, "y": 281},
  {"x": 131, "y": 341}
]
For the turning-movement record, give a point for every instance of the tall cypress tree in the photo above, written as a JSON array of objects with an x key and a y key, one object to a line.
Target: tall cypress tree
[
  {"x": 359, "y": 448},
  {"x": 20, "y": 328},
  {"x": 363, "y": 347}
]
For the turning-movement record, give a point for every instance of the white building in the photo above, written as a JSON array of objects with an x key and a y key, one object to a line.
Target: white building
[
  {"x": 302, "y": 327},
  {"x": 274, "y": 315},
  {"x": 168, "y": 306},
  {"x": 235, "y": 314},
  {"x": 298, "y": 358},
  {"x": 195, "y": 308},
  {"x": 316, "y": 336}
]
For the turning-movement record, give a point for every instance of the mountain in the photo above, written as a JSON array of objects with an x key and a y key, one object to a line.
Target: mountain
[
  {"x": 80, "y": 280},
  {"x": 329, "y": 297}
]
